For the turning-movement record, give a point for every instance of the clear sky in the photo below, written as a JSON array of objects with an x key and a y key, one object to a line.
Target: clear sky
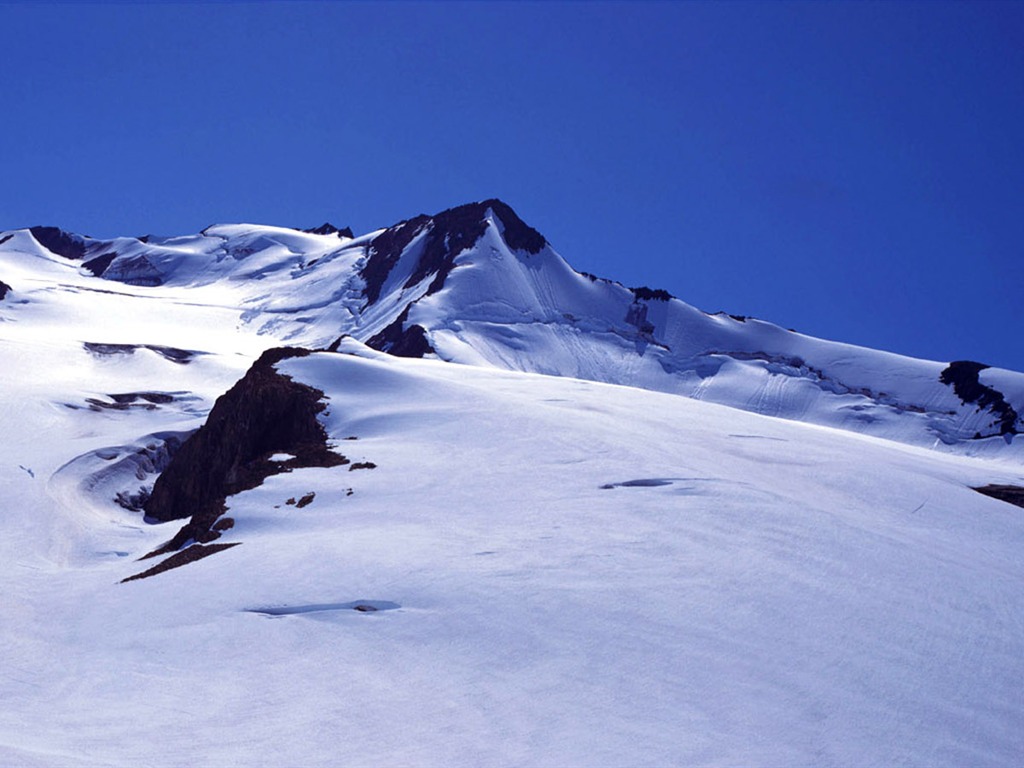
[{"x": 851, "y": 170}]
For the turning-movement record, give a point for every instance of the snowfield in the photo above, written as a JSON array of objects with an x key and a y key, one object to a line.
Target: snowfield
[{"x": 536, "y": 570}]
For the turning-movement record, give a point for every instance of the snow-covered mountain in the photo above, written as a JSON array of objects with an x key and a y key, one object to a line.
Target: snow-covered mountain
[
  {"x": 476, "y": 285},
  {"x": 408, "y": 562}
]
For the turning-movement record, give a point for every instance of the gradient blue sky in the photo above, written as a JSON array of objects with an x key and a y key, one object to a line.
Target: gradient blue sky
[{"x": 852, "y": 170}]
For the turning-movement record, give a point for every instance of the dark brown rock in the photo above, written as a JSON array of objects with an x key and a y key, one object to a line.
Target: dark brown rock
[
  {"x": 62, "y": 243},
  {"x": 329, "y": 229},
  {"x": 99, "y": 264},
  {"x": 643, "y": 293},
  {"x": 963, "y": 376},
  {"x": 1011, "y": 494},
  {"x": 178, "y": 559},
  {"x": 384, "y": 252},
  {"x": 401, "y": 341},
  {"x": 263, "y": 414}
]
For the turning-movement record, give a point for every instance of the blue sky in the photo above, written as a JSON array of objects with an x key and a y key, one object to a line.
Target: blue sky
[{"x": 851, "y": 170}]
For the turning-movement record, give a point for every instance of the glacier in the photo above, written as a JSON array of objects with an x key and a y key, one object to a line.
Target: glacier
[{"x": 577, "y": 523}]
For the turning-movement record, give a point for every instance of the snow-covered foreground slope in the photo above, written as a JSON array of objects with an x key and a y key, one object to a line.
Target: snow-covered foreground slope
[
  {"x": 565, "y": 573},
  {"x": 476, "y": 285}
]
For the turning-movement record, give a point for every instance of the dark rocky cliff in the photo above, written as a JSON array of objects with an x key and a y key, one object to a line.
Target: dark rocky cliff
[
  {"x": 265, "y": 413},
  {"x": 56, "y": 240},
  {"x": 402, "y": 341},
  {"x": 963, "y": 376}
]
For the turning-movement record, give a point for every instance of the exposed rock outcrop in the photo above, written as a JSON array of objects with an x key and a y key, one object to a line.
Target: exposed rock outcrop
[
  {"x": 385, "y": 250},
  {"x": 402, "y": 341},
  {"x": 643, "y": 293},
  {"x": 62, "y": 243},
  {"x": 178, "y": 559},
  {"x": 99, "y": 264},
  {"x": 4, "y": 288},
  {"x": 329, "y": 229},
  {"x": 265, "y": 413},
  {"x": 963, "y": 376},
  {"x": 1011, "y": 494}
]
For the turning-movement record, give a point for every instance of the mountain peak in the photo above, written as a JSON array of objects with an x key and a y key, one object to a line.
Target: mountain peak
[
  {"x": 448, "y": 234},
  {"x": 329, "y": 229},
  {"x": 519, "y": 235}
]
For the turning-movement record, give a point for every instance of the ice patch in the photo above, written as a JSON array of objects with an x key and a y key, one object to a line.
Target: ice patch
[
  {"x": 649, "y": 482},
  {"x": 359, "y": 606}
]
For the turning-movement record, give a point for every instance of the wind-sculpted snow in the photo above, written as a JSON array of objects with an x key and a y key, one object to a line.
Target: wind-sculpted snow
[{"x": 124, "y": 473}]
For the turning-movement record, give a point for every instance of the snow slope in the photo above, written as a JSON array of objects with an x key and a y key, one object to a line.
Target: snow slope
[{"x": 565, "y": 572}]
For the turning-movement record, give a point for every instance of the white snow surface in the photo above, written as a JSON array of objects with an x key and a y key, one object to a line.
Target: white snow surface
[
  {"x": 748, "y": 591},
  {"x": 539, "y": 571}
]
